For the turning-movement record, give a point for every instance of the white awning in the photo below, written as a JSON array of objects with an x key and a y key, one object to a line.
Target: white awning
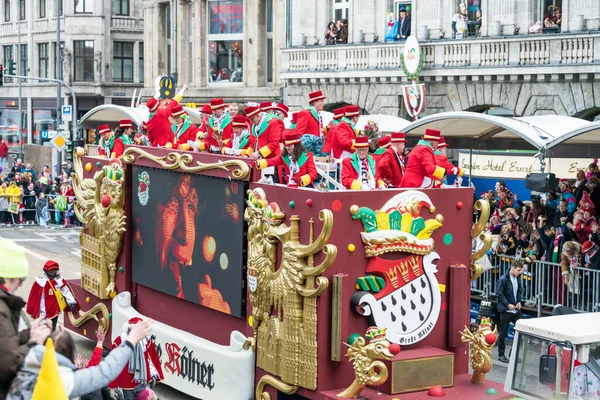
[
  {"x": 387, "y": 123},
  {"x": 586, "y": 135}
]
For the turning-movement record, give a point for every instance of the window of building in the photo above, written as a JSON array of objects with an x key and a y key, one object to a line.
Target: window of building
[
  {"x": 22, "y": 10},
  {"x": 84, "y": 60},
  {"x": 551, "y": 15},
  {"x": 60, "y": 71},
  {"x": 168, "y": 38},
  {"x": 407, "y": 5},
  {"x": 60, "y": 7},
  {"x": 6, "y": 10},
  {"x": 8, "y": 56},
  {"x": 225, "y": 41},
  {"x": 42, "y": 9},
  {"x": 269, "y": 41},
  {"x": 43, "y": 59},
  {"x": 84, "y": 6},
  {"x": 123, "y": 61},
  {"x": 23, "y": 62},
  {"x": 121, "y": 7},
  {"x": 340, "y": 9},
  {"x": 141, "y": 65},
  {"x": 190, "y": 41}
]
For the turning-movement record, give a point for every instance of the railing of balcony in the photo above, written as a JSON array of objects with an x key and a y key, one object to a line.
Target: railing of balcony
[
  {"x": 126, "y": 23},
  {"x": 513, "y": 52}
]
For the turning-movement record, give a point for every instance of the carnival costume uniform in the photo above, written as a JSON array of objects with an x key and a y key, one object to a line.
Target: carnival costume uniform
[
  {"x": 105, "y": 147},
  {"x": 120, "y": 142},
  {"x": 158, "y": 125},
  {"x": 219, "y": 127},
  {"x": 296, "y": 172},
  {"x": 382, "y": 145},
  {"x": 422, "y": 170},
  {"x": 48, "y": 297},
  {"x": 185, "y": 132},
  {"x": 344, "y": 135},
  {"x": 267, "y": 133},
  {"x": 391, "y": 166},
  {"x": 360, "y": 174},
  {"x": 338, "y": 114},
  {"x": 442, "y": 161},
  {"x": 244, "y": 143}
]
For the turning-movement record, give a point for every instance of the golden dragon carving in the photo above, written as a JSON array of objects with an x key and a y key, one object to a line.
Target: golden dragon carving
[
  {"x": 368, "y": 370},
  {"x": 481, "y": 353},
  {"x": 483, "y": 206},
  {"x": 105, "y": 223},
  {"x": 91, "y": 314}
]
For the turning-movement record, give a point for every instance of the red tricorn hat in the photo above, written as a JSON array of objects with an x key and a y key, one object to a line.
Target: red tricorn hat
[
  {"x": 442, "y": 142},
  {"x": 215, "y": 104},
  {"x": 398, "y": 137},
  {"x": 361, "y": 142},
  {"x": 125, "y": 123},
  {"x": 251, "y": 111},
  {"x": 339, "y": 113},
  {"x": 432, "y": 134},
  {"x": 282, "y": 107},
  {"x": 384, "y": 141},
  {"x": 177, "y": 111},
  {"x": 104, "y": 129},
  {"x": 291, "y": 138},
  {"x": 316, "y": 96},
  {"x": 50, "y": 265},
  {"x": 152, "y": 104},
  {"x": 267, "y": 105},
  {"x": 587, "y": 246},
  {"x": 241, "y": 121},
  {"x": 206, "y": 109},
  {"x": 352, "y": 111}
]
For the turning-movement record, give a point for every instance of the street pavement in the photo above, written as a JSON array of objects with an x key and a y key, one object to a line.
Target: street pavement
[{"x": 62, "y": 246}]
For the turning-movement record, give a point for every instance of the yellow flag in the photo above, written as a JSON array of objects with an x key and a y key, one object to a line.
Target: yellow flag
[{"x": 49, "y": 386}]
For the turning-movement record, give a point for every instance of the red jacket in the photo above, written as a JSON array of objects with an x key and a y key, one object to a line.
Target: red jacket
[
  {"x": 308, "y": 122},
  {"x": 351, "y": 168},
  {"x": 226, "y": 127},
  {"x": 119, "y": 147},
  {"x": 306, "y": 174},
  {"x": 187, "y": 131},
  {"x": 51, "y": 308},
  {"x": 391, "y": 168},
  {"x": 422, "y": 170},
  {"x": 267, "y": 135},
  {"x": 342, "y": 138},
  {"x": 159, "y": 126},
  {"x": 3, "y": 150},
  {"x": 125, "y": 379},
  {"x": 442, "y": 161},
  {"x": 246, "y": 145},
  {"x": 378, "y": 153}
]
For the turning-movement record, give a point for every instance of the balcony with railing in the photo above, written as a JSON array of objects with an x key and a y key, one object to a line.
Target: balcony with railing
[
  {"x": 518, "y": 55},
  {"x": 126, "y": 24}
]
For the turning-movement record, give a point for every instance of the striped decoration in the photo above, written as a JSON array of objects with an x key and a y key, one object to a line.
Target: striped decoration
[{"x": 370, "y": 283}]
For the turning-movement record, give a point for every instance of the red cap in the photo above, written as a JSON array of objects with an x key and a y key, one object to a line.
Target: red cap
[
  {"x": 442, "y": 142},
  {"x": 152, "y": 104},
  {"x": 215, "y": 104},
  {"x": 240, "y": 120},
  {"x": 587, "y": 246},
  {"x": 398, "y": 137},
  {"x": 384, "y": 142},
  {"x": 251, "y": 111},
  {"x": 338, "y": 113},
  {"x": 281, "y": 107},
  {"x": 352, "y": 111},
  {"x": 267, "y": 105},
  {"x": 206, "y": 109},
  {"x": 50, "y": 265},
  {"x": 177, "y": 111},
  {"x": 290, "y": 138},
  {"x": 432, "y": 134},
  {"x": 315, "y": 96},
  {"x": 125, "y": 123},
  {"x": 104, "y": 129},
  {"x": 361, "y": 142},
  {"x": 134, "y": 320}
]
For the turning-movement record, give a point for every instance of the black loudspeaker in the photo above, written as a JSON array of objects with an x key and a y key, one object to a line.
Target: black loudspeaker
[{"x": 541, "y": 182}]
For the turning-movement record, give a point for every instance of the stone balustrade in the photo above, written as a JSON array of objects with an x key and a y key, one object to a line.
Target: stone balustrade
[
  {"x": 127, "y": 24},
  {"x": 489, "y": 56}
]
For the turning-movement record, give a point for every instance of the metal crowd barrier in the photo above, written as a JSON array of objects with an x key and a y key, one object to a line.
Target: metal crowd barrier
[
  {"x": 543, "y": 285},
  {"x": 52, "y": 212}
]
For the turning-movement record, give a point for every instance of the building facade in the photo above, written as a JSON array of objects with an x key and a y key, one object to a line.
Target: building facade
[
  {"x": 102, "y": 57},
  {"x": 498, "y": 65},
  {"x": 222, "y": 48}
]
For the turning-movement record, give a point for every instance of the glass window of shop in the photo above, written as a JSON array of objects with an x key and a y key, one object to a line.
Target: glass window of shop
[
  {"x": 9, "y": 126},
  {"x": 225, "y": 41},
  {"x": 84, "y": 60},
  {"x": 43, "y": 120},
  {"x": 123, "y": 61},
  {"x": 43, "y": 59},
  {"x": 269, "y": 41},
  {"x": 8, "y": 55}
]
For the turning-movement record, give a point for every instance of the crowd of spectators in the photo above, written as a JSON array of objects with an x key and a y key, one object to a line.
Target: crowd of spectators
[{"x": 28, "y": 198}]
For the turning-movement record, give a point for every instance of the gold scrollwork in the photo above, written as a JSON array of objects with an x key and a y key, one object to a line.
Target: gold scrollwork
[
  {"x": 85, "y": 316},
  {"x": 176, "y": 160},
  {"x": 274, "y": 382},
  {"x": 483, "y": 206}
]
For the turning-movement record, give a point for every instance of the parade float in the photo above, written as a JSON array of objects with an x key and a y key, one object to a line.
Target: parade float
[{"x": 267, "y": 291}]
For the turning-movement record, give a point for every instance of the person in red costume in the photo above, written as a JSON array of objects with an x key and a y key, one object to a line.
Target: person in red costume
[
  {"x": 242, "y": 142},
  {"x": 309, "y": 120},
  {"x": 344, "y": 134},
  {"x": 107, "y": 141},
  {"x": 391, "y": 164},
  {"x": 204, "y": 116},
  {"x": 359, "y": 171},
  {"x": 422, "y": 171},
  {"x": 441, "y": 159},
  {"x": 297, "y": 164},
  {"x": 158, "y": 124},
  {"x": 135, "y": 378},
  {"x": 219, "y": 123},
  {"x": 184, "y": 130},
  {"x": 266, "y": 131},
  {"x": 278, "y": 112},
  {"x": 338, "y": 114},
  {"x": 122, "y": 137},
  {"x": 383, "y": 143},
  {"x": 50, "y": 295}
]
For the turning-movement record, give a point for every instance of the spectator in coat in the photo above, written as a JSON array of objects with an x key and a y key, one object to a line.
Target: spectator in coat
[
  {"x": 509, "y": 291},
  {"x": 580, "y": 185},
  {"x": 343, "y": 37},
  {"x": 592, "y": 256},
  {"x": 404, "y": 28},
  {"x": 330, "y": 33},
  {"x": 3, "y": 152}
]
